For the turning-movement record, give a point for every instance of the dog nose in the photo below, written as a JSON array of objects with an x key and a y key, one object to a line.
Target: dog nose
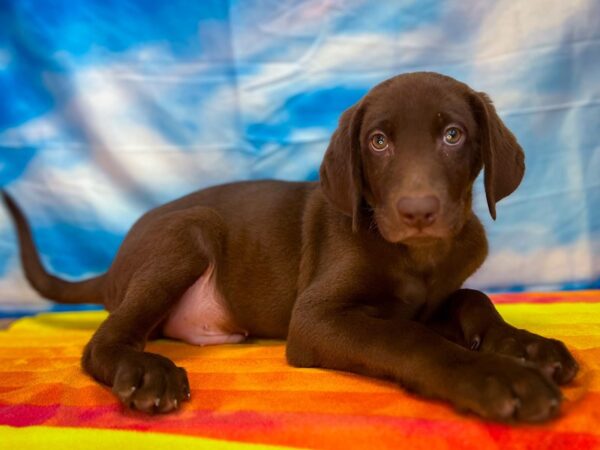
[{"x": 419, "y": 212}]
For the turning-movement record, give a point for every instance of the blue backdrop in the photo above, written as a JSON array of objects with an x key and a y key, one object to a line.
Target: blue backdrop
[{"x": 112, "y": 107}]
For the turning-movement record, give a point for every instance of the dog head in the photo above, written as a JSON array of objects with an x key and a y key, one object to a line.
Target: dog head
[{"x": 408, "y": 152}]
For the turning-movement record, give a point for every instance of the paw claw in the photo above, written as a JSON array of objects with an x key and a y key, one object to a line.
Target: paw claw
[
  {"x": 150, "y": 383},
  {"x": 475, "y": 342},
  {"x": 517, "y": 403}
]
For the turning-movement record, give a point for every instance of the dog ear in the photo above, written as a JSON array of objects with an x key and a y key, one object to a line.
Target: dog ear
[
  {"x": 341, "y": 169},
  {"x": 503, "y": 157}
]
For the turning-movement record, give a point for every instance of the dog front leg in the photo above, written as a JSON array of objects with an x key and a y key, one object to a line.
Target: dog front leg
[
  {"x": 325, "y": 331},
  {"x": 469, "y": 318}
]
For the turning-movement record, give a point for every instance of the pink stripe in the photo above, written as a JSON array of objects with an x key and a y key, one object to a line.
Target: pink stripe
[
  {"x": 26, "y": 415},
  {"x": 547, "y": 297}
]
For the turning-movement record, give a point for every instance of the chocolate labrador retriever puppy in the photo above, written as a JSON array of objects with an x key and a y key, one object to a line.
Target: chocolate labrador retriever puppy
[{"x": 360, "y": 272}]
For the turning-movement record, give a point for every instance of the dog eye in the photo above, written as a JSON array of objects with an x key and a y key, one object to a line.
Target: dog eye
[
  {"x": 379, "y": 142},
  {"x": 453, "y": 135}
]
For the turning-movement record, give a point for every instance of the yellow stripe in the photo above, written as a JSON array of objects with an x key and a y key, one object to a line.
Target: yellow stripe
[
  {"x": 551, "y": 313},
  {"x": 565, "y": 312},
  {"x": 42, "y": 437},
  {"x": 577, "y": 324}
]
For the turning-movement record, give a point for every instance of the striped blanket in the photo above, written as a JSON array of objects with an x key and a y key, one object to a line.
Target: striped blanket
[{"x": 245, "y": 396}]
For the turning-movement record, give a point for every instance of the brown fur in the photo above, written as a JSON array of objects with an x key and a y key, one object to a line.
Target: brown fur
[{"x": 332, "y": 267}]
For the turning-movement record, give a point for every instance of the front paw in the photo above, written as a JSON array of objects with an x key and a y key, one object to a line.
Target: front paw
[
  {"x": 550, "y": 355},
  {"x": 151, "y": 383},
  {"x": 502, "y": 389}
]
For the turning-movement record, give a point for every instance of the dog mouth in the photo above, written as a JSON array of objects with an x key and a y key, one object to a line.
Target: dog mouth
[
  {"x": 412, "y": 237},
  {"x": 421, "y": 238}
]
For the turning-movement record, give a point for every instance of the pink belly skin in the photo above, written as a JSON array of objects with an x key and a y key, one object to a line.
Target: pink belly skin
[{"x": 201, "y": 317}]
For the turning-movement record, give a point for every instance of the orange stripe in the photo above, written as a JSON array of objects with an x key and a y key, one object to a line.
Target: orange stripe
[{"x": 390, "y": 402}]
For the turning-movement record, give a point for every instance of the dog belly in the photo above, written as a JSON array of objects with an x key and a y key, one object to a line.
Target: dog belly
[{"x": 201, "y": 316}]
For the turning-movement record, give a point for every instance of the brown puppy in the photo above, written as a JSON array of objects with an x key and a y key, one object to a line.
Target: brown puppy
[{"x": 360, "y": 272}]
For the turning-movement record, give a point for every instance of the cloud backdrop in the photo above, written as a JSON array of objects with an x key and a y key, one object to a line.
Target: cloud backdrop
[{"x": 112, "y": 107}]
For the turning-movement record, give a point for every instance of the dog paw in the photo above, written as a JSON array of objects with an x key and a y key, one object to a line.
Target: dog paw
[
  {"x": 551, "y": 356},
  {"x": 499, "y": 388},
  {"x": 151, "y": 383}
]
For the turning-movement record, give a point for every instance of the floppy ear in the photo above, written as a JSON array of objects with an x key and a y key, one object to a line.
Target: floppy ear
[
  {"x": 341, "y": 169},
  {"x": 503, "y": 158}
]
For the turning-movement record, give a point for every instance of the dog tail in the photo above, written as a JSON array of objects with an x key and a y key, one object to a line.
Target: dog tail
[{"x": 49, "y": 286}]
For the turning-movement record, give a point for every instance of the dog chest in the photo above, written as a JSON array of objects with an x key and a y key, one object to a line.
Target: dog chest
[
  {"x": 411, "y": 295},
  {"x": 416, "y": 298}
]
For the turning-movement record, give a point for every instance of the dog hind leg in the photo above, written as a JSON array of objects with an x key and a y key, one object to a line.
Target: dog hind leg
[{"x": 172, "y": 252}]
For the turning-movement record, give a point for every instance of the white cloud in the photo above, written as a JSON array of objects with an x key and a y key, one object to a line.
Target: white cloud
[
  {"x": 40, "y": 130},
  {"x": 302, "y": 18},
  {"x": 511, "y": 27},
  {"x": 82, "y": 189},
  {"x": 357, "y": 60},
  {"x": 513, "y": 37},
  {"x": 16, "y": 291},
  {"x": 549, "y": 266}
]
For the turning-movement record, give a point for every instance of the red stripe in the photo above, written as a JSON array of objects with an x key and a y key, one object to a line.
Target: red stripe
[{"x": 326, "y": 431}]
